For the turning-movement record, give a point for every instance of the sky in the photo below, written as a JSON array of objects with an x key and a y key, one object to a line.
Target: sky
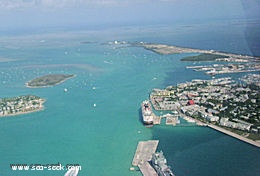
[{"x": 16, "y": 14}]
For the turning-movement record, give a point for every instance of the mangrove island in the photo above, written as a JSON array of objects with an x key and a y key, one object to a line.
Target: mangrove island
[{"x": 48, "y": 80}]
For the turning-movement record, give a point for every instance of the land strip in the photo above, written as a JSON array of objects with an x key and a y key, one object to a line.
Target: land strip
[{"x": 169, "y": 49}]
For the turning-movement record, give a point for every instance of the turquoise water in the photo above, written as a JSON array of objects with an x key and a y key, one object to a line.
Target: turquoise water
[{"x": 117, "y": 79}]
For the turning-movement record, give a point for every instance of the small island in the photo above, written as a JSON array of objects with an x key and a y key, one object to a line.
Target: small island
[
  {"x": 48, "y": 80},
  {"x": 20, "y": 105}
]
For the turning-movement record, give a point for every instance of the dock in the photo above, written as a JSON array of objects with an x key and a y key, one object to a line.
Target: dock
[
  {"x": 143, "y": 155},
  {"x": 170, "y": 120},
  {"x": 156, "y": 119},
  {"x": 147, "y": 169}
]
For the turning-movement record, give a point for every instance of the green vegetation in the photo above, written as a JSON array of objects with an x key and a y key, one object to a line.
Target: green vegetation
[
  {"x": 254, "y": 136},
  {"x": 48, "y": 80},
  {"x": 204, "y": 57}
]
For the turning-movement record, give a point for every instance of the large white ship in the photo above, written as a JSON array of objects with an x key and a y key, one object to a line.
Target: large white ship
[{"x": 147, "y": 113}]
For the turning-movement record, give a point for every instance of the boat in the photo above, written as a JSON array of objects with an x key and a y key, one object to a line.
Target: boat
[
  {"x": 72, "y": 172},
  {"x": 159, "y": 163},
  {"x": 147, "y": 113}
]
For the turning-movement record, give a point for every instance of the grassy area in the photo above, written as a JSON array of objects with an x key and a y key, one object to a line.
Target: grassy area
[
  {"x": 254, "y": 136},
  {"x": 203, "y": 57}
]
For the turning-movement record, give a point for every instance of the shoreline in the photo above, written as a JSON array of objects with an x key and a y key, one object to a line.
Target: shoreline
[
  {"x": 222, "y": 130},
  {"x": 229, "y": 133},
  {"x": 41, "y": 108},
  {"x": 165, "y": 49},
  {"x": 217, "y": 128}
]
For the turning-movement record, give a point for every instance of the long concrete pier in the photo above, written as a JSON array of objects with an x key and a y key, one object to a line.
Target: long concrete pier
[
  {"x": 147, "y": 169},
  {"x": 143, "y": 155}
]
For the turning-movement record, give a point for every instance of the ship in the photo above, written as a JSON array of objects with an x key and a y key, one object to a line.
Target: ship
[
  {"x": 159, "y": 163},
  {"x": 147, "y": 113}
]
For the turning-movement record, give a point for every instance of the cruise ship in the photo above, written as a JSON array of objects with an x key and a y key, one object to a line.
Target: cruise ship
[
  {"x": 147, "y": 113},
  {"x": 159, "y": 163}
]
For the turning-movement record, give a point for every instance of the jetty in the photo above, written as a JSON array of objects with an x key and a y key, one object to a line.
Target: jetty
[
  {"x": 143, "y": 155},
  {"x": 156, "y": 119},
  {"x": 170, "y": 119}
]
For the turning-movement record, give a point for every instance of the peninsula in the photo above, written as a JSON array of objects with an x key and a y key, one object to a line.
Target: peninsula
[
  {"x": 235, "y": 63},
  {"x": 48, "y": 80},
  {"x": 20, "y": 105},
  {"x": 221, "y": 103},
  {"x": 205, "y": 55}
]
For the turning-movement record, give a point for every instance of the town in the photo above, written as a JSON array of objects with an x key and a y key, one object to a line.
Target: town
[
  {"x": 229, "y": 68},
  {"x": 20, "y": 105},
  {"x": 222, "y": 102}
]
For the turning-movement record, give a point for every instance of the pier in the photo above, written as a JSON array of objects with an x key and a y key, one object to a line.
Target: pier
[
  {"x": 156, "y": 119},
  {"x": 143, "y": 155}
]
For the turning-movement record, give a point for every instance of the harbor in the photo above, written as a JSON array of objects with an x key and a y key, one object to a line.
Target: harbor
[{"x": 150, "y": 118}]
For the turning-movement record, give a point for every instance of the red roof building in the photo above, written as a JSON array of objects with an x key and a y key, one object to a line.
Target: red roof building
[{"x": 191, "y": 102}]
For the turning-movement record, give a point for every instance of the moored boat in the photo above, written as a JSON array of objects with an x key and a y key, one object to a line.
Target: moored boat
[
  {"x": 147, "y": 113},
  {"x": 159, "y": 163}
]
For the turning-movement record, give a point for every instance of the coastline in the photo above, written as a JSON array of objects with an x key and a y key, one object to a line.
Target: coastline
[
  {"x": 241, "y": 138},
  {"x": 222, "y": 130},
  {"x": 41, "y": 108},
  {"x": 171, "y": 49}
]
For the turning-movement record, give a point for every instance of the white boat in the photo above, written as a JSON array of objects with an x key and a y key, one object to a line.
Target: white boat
[{"x": 72, "y": 172}]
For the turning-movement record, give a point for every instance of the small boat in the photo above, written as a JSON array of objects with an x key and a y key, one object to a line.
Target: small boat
[{"x": 72, "y": 172}]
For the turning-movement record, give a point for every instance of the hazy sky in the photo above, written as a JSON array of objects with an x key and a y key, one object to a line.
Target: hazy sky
[{"x": 52, "y": 13}]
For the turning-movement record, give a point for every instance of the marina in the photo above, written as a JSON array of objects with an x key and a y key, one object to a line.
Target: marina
[{"x": 150, "y": 118}]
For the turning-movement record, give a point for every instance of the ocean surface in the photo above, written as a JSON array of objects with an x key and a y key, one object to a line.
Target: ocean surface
[{"x": 96, "y": 123}]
